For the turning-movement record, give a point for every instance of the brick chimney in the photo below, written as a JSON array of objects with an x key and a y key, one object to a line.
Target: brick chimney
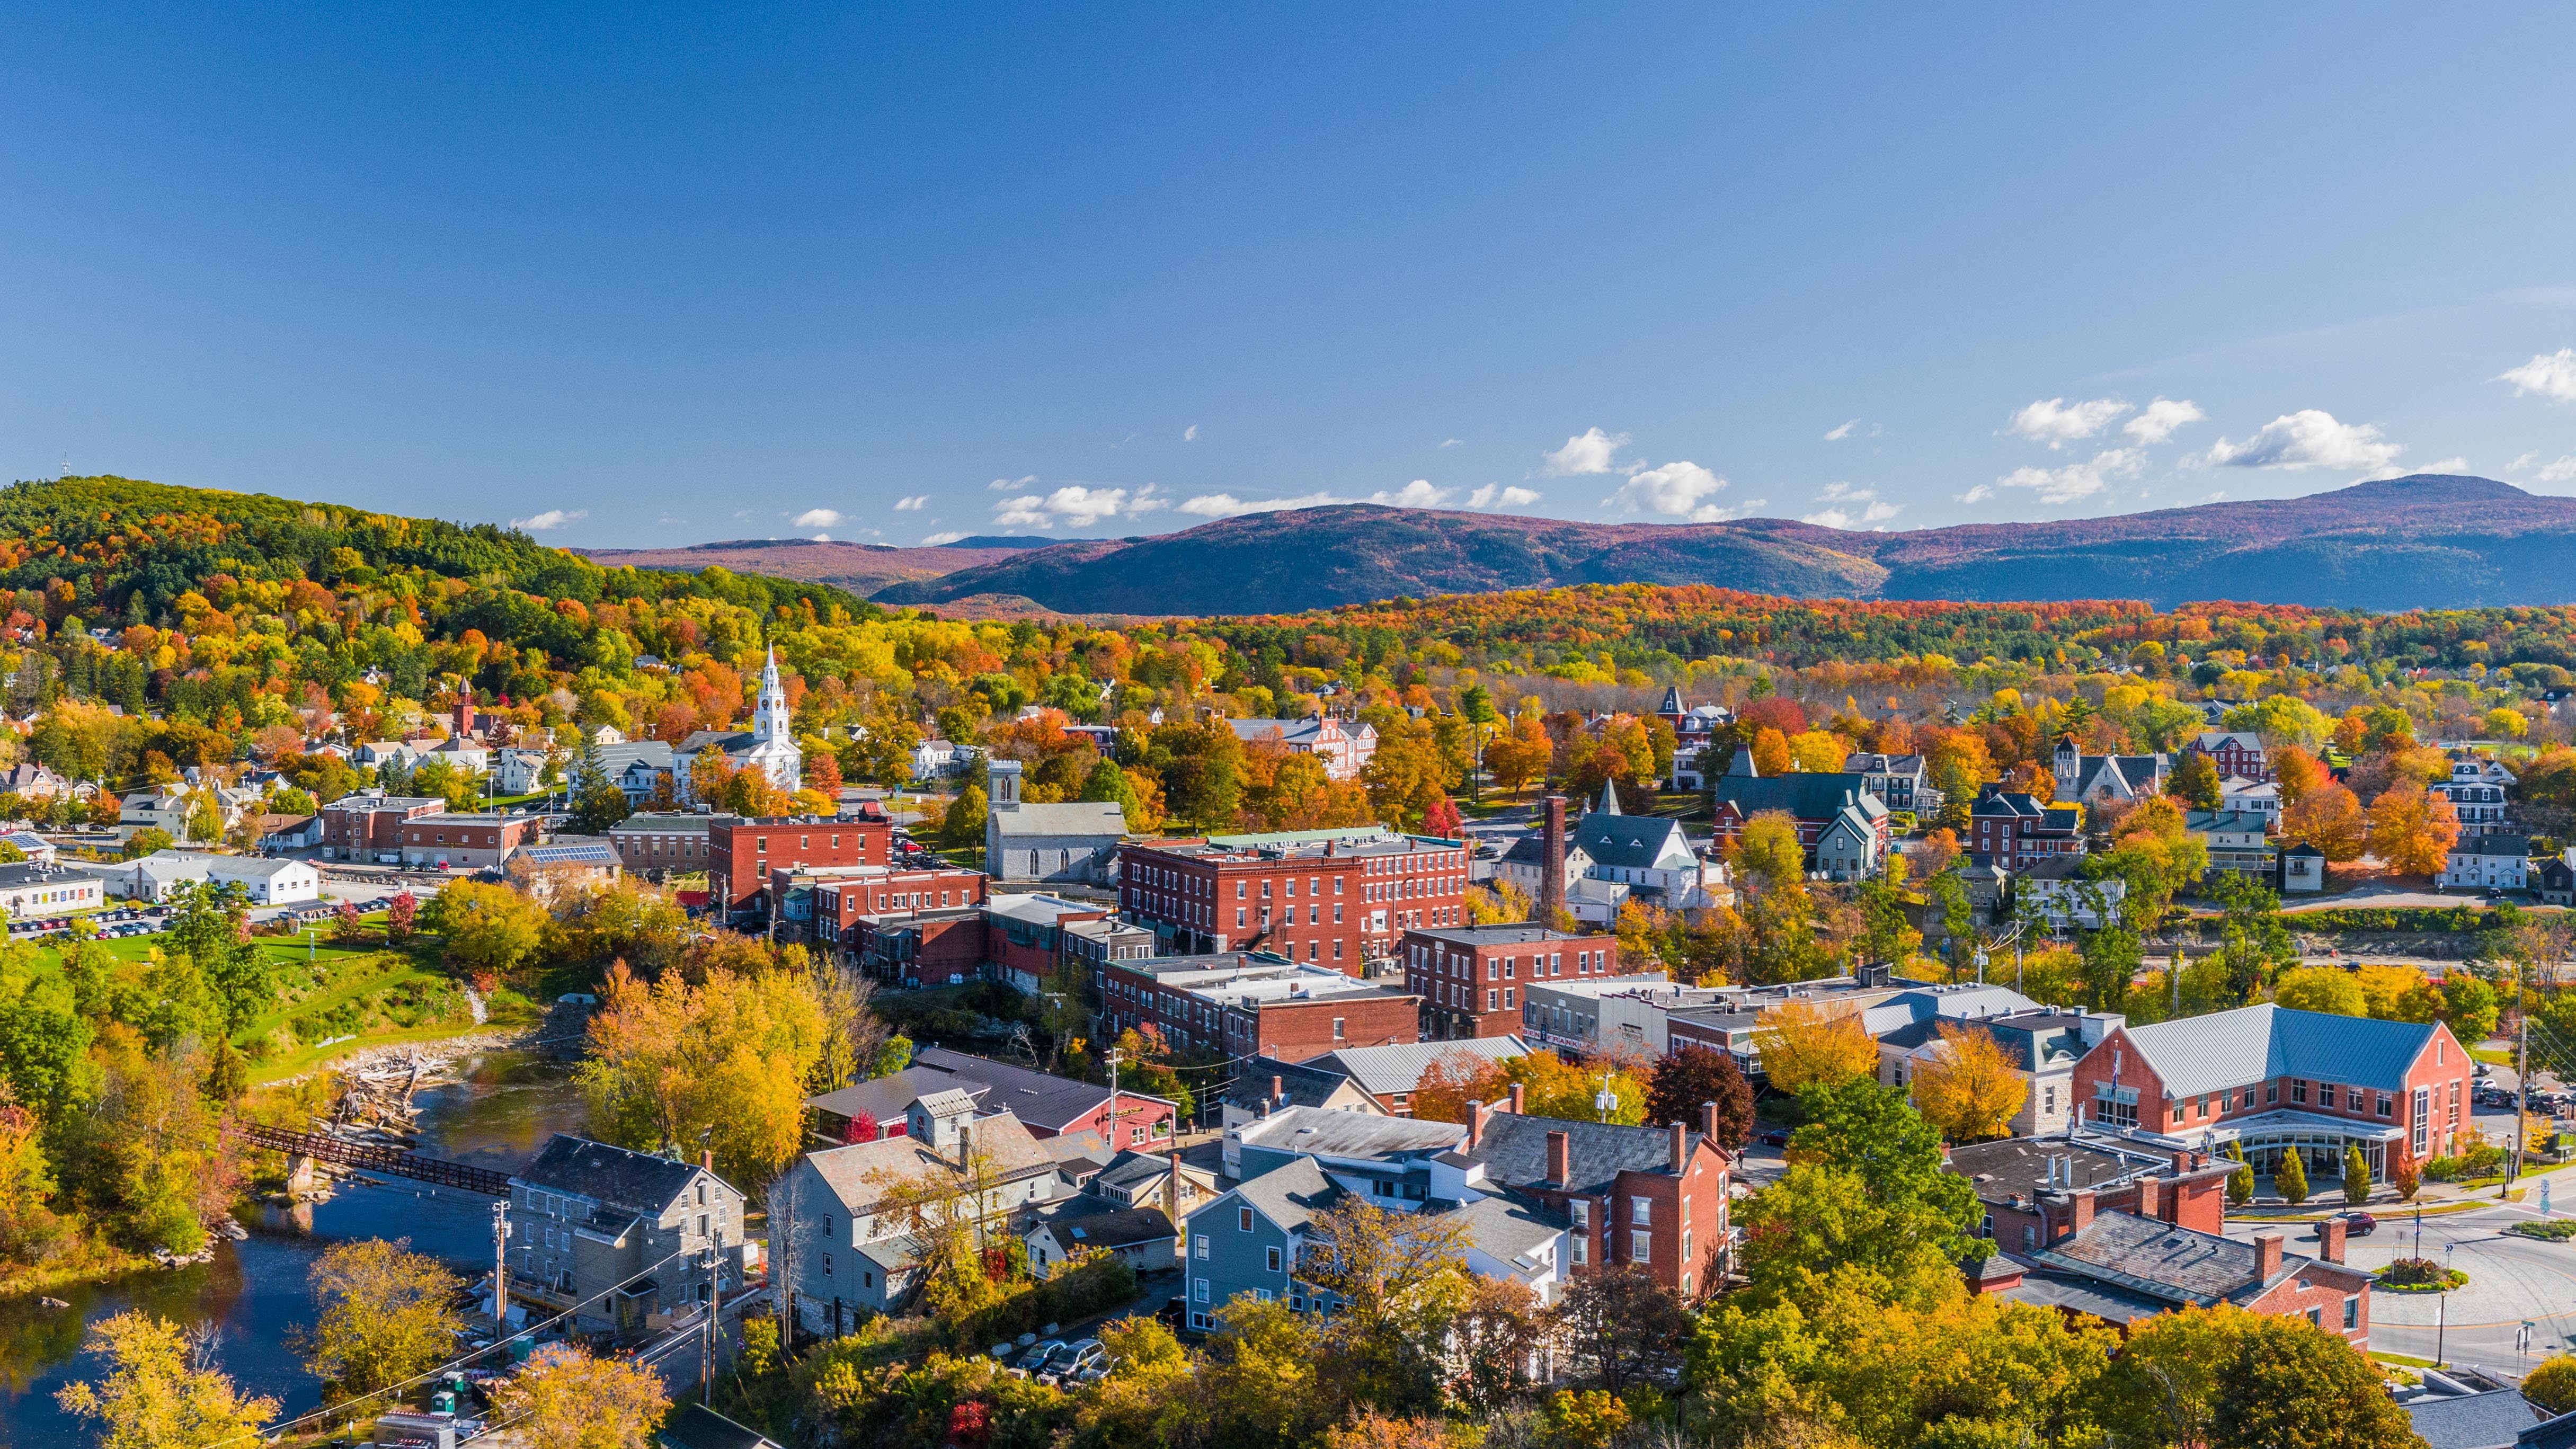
[
  {"x": 707, "y": 1159},
  {"x": 1551, "y": 870},
  {"x": 2151, "y": 1197},
  {"x": 1681, "y": 1146},
  {"x": 1475, "y": 1124},
  {"x": 1560, "y": 1157},
  {"x": 2079, "y": 1209},
  {"x": 2330, "y": 1239},
  {"x": 1516, "y": 1099},
  {"x": 1708, "y": 1124},
  {"x": 1278, "y": 1089},
  {"x": 2267, "y": 1257}
]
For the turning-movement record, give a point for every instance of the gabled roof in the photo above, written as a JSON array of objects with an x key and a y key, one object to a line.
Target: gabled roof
[
  {"x": 1078, "y": 1223},
  {"x": 2230, "y": 1048},
  {"x": 1610, "y": 837},
  {"x": 1805, "y": 796},
  {"x": 617, "y": 1178},
  {"x": 1869, "y": 763},
  {"x": 2492, "y": 1420},
  {"x": 2232, "y": 821},
  {"x": 2510, "y": 847},
  {"x": 884, "y": 1098},
  {"x": 1034, "y": 1097},
  {"x": 1509, "y": 1227},
  {"x": 863, "y": 1174},
  {"x": 1399, "y": 1067},
  {"x": 1513, "y": 1150},
  {"x": 1079, "y": 819},
  {"x": 1304, "y": 1084},
  {"x": 1289, "y": 1195},
  {"x": 1311, "y": 1132}
]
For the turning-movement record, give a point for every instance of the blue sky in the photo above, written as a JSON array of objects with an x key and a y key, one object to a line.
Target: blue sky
[{"x": 650, "y": 277}]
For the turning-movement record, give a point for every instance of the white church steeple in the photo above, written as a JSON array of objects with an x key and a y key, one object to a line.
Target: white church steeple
[{"x": 769, "y": 715}]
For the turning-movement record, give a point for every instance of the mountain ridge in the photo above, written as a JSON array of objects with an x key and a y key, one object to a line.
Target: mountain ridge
[{"x": 2425, "y": 540}]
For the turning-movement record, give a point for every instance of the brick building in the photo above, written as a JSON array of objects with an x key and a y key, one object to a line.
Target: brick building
[
  {"x": 465, "y": 842},
  {"x": 2273, "y": 1081},
  {"x": 1241, "y": 1004},
  {"x": 369, "y": 827},
  {"x": 2121, "y": 1267},
  {"x": 2034, "y": 1188},
  {"x": 917, "y": 948},
  {"x": 2014, "y": 829},
  {"x": 1025, "y": 938},
  {"x": 655, "y": 844},
  {"x": 1652, "y": 1197},
  {"x": 1471, "y": 978},
  {"x": 1330, "y": 898},
  {"x": 742, "y": 853},
  {"x": 843, "y": 895},
  {"x": 2234, "y": 753}
]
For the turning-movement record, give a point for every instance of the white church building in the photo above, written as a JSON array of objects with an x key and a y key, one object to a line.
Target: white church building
[{"x": 769, "y": 744}]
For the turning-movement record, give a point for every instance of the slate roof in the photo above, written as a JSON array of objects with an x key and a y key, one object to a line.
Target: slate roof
[
  {"x": 1866, "y": 763},
  {"x": 2242, "y": 821},
  {"x": 1097, "y": 1224},
  {"x": 1513, "y": 1150},
  {"x": 1303, "y": 1083},
  {"x": 1509, "y": 1227},
  {"x": 1073, "y": 820},
  {"x": 2230, "y": 1048},
  {"x": 2159, "y": 1260},
  {"x": 2511, "y": 847},
  {"x": 1312, "y": 1132},
  {"x": 1398, "y": 1067},
  {"x": 883, "y": 1098},
  {"x": 1034, "y": 1097},
  {"x": 862, "y": 1174},
  {"x": 2558, "y": 1433},
  {"x": 2137, "y": 772},
  {"x": 617, "y": 1178},
  {"x": 1289, "y": 1196},
  {"x": 2491, "y": 1420},
  {"x": 1807, "y": 797}
]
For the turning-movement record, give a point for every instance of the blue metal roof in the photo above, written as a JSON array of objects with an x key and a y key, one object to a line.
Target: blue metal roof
[{"x": 2250, "y": 1044}]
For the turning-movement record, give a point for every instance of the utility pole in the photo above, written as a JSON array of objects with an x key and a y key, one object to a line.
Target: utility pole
[
  {"x": 2522, "y": 1079},
  {"x": 1115, "y": 1055},
  {"x": 500, "y": 1270},
  {"x": 715, "y": 1313}
]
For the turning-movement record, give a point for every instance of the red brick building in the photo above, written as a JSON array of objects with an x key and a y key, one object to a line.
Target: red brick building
[
  {"x": 842, "y": 895},
  {"x": 364, "y": 827},
  {"x": 660, "y": 843},
  {"x": 2234, "y": 753},
  {"x": 2273, "y": 1080},
  {"x": 1024, "y": 935},
  {"x": 2013, "y": 828},
  {"x": 742, "y": 853},
  {"x": 464, "y": 842},
  {"x": 2031, "y": 1187},
  {"x": 1337, "y": 901},
  {"x": 1251, "y": 1004},
  {"x": 917, "y": 948},
  {"x": 1471, "y": 978},
  {"x": 1652, "y": 1197},
  {"x": 2123, "y": 1267}
]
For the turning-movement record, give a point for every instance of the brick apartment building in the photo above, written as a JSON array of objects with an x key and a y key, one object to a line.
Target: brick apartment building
[
  {"x": 1241, "y": 1004},
  {"x": 2125, "y": 1266},
  {"x": 1653, "y": 1196},
  {"x": 1472, "y": 978},
  {"x": 2274, "y": 1080},
  {"x": 741, "y": 854},
  {"x": 465, "y": 842},
  {"x": 658, "y": 844},
  {"x": 1335, "y": 899},
  {"x": 1026, "y": 937},
  {"x": 844, "y": 895},
  {"x": 2012, "y": 828},
  {"x": 365, "y": 827}
]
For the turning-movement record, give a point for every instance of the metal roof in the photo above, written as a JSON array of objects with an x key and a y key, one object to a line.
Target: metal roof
[
  {"x": 1314, "y": 1131},
  {"x": 1399, "y": 1067},
  {"x": 2254, "y": 1043}
]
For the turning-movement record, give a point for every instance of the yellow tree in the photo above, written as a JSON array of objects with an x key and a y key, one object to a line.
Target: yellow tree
[
  {"x": 154, "y": 1395},
  {"x": 1968, "y": 1088},
  {"x": 1521, "y": 755},
  {"x": 1802, "y": 1043},
  {"x": 732, "y": 1057},
  {"x": 1553, "y": 1087},
  {"x": 387, "y": 1314},
  {"x": 2412, "y": 831},
  {"x": 2328, "y": 989},
  {"x": 566, "y": 1399}
]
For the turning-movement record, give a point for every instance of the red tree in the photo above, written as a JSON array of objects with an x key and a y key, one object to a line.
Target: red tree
[
  {"x": 1443, "y": 820},
  {"x": 398, "y": 914},
  {"x": 862, "y": 1128}
]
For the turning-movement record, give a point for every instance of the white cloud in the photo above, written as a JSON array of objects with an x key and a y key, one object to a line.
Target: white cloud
[
  {"x": 1073, "y": 506},
  {"x": 2161, "y": 418},
  {"x": 1593, "y": 452},
  {"x": 914, "y": 504},
  {"x": 1005, "y": 485},
  {"x": 1843, "y": 518},
  {"x": 1190, "y": 434},
  {"x": 2550, "y": 374},
  {"x": 2557, "y": 472},
  {"x": 1417, "y": 494},
  {"x": 820, "y": 518},
  {"x": 1978, "y": 494},
  {"x": 2518, "y": 464},
  {"x": 822, "y": 538},
  {"x": 1836, "y": 435},
  {"x": 1495, "y": 493},
  {"x": 1675, "y": 489},
  {"x": 2075, "y": 480},
  {"x": 1837, "y": 491},
  {"x": 2446, "y": 465},
  {"x": 936, "y": 539},
  {"x": 1451, "y": 442},
  {"x": 551, "y": 518},
  {"x": 2310, "y": 438},
  {"x": 1226, "y": 505},
  {"x": 2057, "y": 422}
]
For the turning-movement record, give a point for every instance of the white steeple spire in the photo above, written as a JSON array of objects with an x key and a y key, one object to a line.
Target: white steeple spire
[{"x": 769, "y": 715}]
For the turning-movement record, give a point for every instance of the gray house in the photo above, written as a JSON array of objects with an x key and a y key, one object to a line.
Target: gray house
[
  {"x": 1074, "y": 843},
  {"x": 618, "y": 1236}
]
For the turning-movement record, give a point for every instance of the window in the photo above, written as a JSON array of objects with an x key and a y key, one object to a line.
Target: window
[
  {"x": 1243, "y": 1220},
  {"x": 2352, "y": 1099},
  {"x": 1580, "y": 1249},
  {"x": 1638, "y": 1247},
  {"x": 1270, "y": 1259},
  {"x": 2299, "y": 1092},
  {"x": 2386, "y": 1104},
  {"x": 1580, "y": 1211},
  {"x": 1489, "y": 998},
  {"x": 1640, "y": 1210},
  {"x": 827, "y": 1265},
  {"x": 1337, "y": 1028},
  {"x": 1198, "y": 1291},
  {"x": 1201, "y": 1247},
  {"x": 2272, "y": 1092},
  {"x": 2317, "y": 1316}
]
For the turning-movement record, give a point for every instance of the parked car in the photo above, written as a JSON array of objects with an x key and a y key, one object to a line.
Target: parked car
[
  {"x": 1073, "y": 1360},
  {"x": 1174, "y": 1312},
  {"x": 1036, "y": 1358}
]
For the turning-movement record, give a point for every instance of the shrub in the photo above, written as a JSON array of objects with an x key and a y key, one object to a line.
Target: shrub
[
  {"x": 2553, "y": 1385},
  {"x": 2408, "y": 1181},
  {"x": 2410, "y": 1272},
  {"x": 2553, "y": 1230},
  {"x": 2290, "y": 1179}
]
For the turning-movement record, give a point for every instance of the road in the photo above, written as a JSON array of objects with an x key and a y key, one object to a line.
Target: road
[{"x": 2512, "y": 1280}]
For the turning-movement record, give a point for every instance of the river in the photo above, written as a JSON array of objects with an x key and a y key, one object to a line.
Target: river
[{"x": 254, "y": 1291}]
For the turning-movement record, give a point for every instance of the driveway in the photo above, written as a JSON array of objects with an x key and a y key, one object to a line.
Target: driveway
[{"x": 2512, "y": 1280}]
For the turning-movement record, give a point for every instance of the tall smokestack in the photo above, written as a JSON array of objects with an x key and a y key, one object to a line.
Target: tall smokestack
[{"x": 1551, "y": 871}]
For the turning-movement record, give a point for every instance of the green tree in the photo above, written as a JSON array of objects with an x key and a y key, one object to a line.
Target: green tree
[
  {"x": 2196, "y": 781},
  {"x": 149, "y": 839},
  {"x": 2295, "y": 1386},
  {"x": 156, "y": 1395},
  {"x": 2112, "y": 956},
  {"x": 2356, "y": 1177},
  {"x": 2240, "y": 1183},
  {"x": 1108, "y": 784},
  {"x": 2290, "y": 1179},
  {"x": 211, "y": 928},
  {"x": 484, "y": 926},
  {"x": 2469, "y": 1006},
  {"x": 962, "y": 828},
  {"x": 2553, "y": 1385},
  {"x": 597, "y": 803}
]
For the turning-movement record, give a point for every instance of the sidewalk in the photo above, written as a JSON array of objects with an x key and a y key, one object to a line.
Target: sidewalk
[{"x": 2325, "y": 1198}]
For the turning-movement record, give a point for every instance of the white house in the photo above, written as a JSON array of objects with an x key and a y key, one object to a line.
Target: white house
[
  {"x": 2480, "y": 861},
  {"x": 34, "y": 888},
  {"x": 153, "y": 878},
  {"x": 2057, "y": 889},
  {"x": 271, "y": 882},
  {"x": 2238, "y": 795},
  {"x": 2476, "y": 790},
  {"x": 934, "y": 758},
  {"x": 515, "y": 772}
]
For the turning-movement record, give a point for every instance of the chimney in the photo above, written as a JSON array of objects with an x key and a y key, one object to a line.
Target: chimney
[
  {"x": 1681, "y": 1146},
  {"x": 1551, "y": 871},
  {"x": 1560, "y": 1158},
  {"x": 2186, "y": 1161},
  {"x": 1475, "y": 1124},
  {"x": 2267, "y": 1257},
  {"x": 707, "y": 1159},
  {"x": 1708, "y": 1126},
  {"x": 1172, "y": 1191},
  {"x": 1516, "y": 1098},
  {"x": 2330, "y": 1239},
  {"x": 2151, "y": 1198},
  {"x": 1278, "y": 1088},
  {"x": 2079, "y": 1209}
]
